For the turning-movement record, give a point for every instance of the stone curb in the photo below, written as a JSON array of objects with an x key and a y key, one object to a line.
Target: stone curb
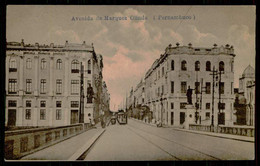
[{"x": 86, "y": 146}]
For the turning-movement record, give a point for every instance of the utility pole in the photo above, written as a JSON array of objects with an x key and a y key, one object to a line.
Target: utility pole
[
  {"x": 219, "y": 97},
  {"x": 214, "y": 73},
  {"x": 81, "y": 114},
  {"x": 126, "y": 102},
  {"x": 202, "y": 89},
  {"x": 196, "y": 92}
]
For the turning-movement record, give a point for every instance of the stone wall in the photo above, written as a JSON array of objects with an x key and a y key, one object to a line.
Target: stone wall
[
  {"x": 235, "y": 130},
  {"x": 23, "y": 142}
]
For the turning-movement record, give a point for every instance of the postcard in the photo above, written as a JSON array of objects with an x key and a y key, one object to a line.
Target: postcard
[{"x": 130, "y": 83}]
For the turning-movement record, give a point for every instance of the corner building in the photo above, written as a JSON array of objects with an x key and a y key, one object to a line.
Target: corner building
[
  {"x": 43, "y": 83},
  {"x": 169, "y": 77}
]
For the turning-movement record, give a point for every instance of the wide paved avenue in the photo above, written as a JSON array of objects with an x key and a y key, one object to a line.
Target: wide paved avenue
[{"x": 138, "y": 141}]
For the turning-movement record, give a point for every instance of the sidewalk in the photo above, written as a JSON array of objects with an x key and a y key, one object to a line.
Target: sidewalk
[
  {"x": 68, "y": 149},
  {"x": 220, "y": 135}
]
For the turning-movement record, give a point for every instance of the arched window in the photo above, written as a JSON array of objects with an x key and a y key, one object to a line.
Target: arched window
[
  {"x": 28, "y": 63},
  {"x": 197, "y": 66},
  {"x": 208, "y": 66},
  {"x": 75, "y": 66},
  {"x": 12, "y": 65},
  {"x": 172, "y": 65},
  {"x": 184, "y": 65},
  {"x": 43, "y": 64},
  {"x": 89, "y": 67},
  {"x": 221, "y": 66},
  {"x": 59, "y": 64}
]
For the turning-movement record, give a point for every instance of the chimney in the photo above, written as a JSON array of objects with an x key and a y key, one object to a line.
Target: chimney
[
  {"x": 22, "y": 43},
  {"x": 52, "y": 45}
]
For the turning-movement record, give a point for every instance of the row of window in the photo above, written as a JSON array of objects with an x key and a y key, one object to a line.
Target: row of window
[
  {"x": 42, "y": 114},
  {"x": 12, "y": 86},
  {"x": 28, "y": 103},
  {"x": 75, "y": 65},
  {"x": 197, "y": 88},
  {"x": 197, "y": 66},
  {"x": 207, "y": 106}
]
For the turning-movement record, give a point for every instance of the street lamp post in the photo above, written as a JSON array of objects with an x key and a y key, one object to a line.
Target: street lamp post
[{"x": 81, "y": 113}]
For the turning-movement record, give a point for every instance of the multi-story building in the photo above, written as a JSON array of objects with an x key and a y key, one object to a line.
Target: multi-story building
[
  {"x": 247, "y": 93},
  {"x": 180, "y": 67},
  {"x": 105, "y": 99},
  {"x": 139, "y": 93},
  {"x": 45, "y": 83}
]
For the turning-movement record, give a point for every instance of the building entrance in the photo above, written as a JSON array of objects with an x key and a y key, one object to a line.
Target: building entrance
[
  {"x": 11, "y": 117},
  {"x": 182, "y": 117},
  {"x": 74, "y": 117},
  {"x": 172, "y": 118},
  {"x": 221, "y": 118}
]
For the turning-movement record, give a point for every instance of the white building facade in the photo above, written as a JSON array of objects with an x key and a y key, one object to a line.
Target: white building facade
[
  {"x": 168, "y": 79},
  {"x": 43, "y": 83}
]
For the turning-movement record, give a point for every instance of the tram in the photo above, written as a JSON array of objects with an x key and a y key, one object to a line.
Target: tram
[{"x": 122, "y": 117}]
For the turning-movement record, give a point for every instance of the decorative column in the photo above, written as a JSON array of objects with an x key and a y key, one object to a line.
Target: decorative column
[
  {"x": 50, "y": 113},
  {"x": 35, "y": 116},
  {"x": 66, "y": 81},
  {"x": 7, "y": 74},
  {"x": 51, "y": 76},
  {"x": 36, "y": 75},
  {"x": 21, "y": 75}
]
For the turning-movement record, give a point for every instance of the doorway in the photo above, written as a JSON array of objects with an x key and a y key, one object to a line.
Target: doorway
[
  {"x": 221, "y": 118},
  {"x": 11, "y": 117},
  {"x": 182, "y": 117},
  {"x": 172, "y": 118},
  {"x": 74, "y": 117}
]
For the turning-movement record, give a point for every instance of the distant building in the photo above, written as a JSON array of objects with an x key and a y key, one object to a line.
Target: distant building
[
  {"x": 246, "y": 97},
  {"x": 250, "y": 103},
  {"x": 169, "y": 77},
  {"x": 43, "y": 83}
]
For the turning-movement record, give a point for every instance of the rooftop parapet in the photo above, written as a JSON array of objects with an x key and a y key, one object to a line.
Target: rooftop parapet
[
  {"x": 52, "y": 47},
  {"x": 229, "y": 50},
  {"x": 170, "y": 50}
]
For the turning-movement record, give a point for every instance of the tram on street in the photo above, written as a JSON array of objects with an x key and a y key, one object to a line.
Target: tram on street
[{"x": 122, "y": 117}]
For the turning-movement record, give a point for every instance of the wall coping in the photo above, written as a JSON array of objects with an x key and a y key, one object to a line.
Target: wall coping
[
  {"x": 26, "y": 131},
  {"x": 247, "y": 127}
]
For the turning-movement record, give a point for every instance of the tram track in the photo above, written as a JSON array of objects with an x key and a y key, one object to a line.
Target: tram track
[
  {"x": 175, "y": 157},
  {"x": 210, "y": 157}
]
